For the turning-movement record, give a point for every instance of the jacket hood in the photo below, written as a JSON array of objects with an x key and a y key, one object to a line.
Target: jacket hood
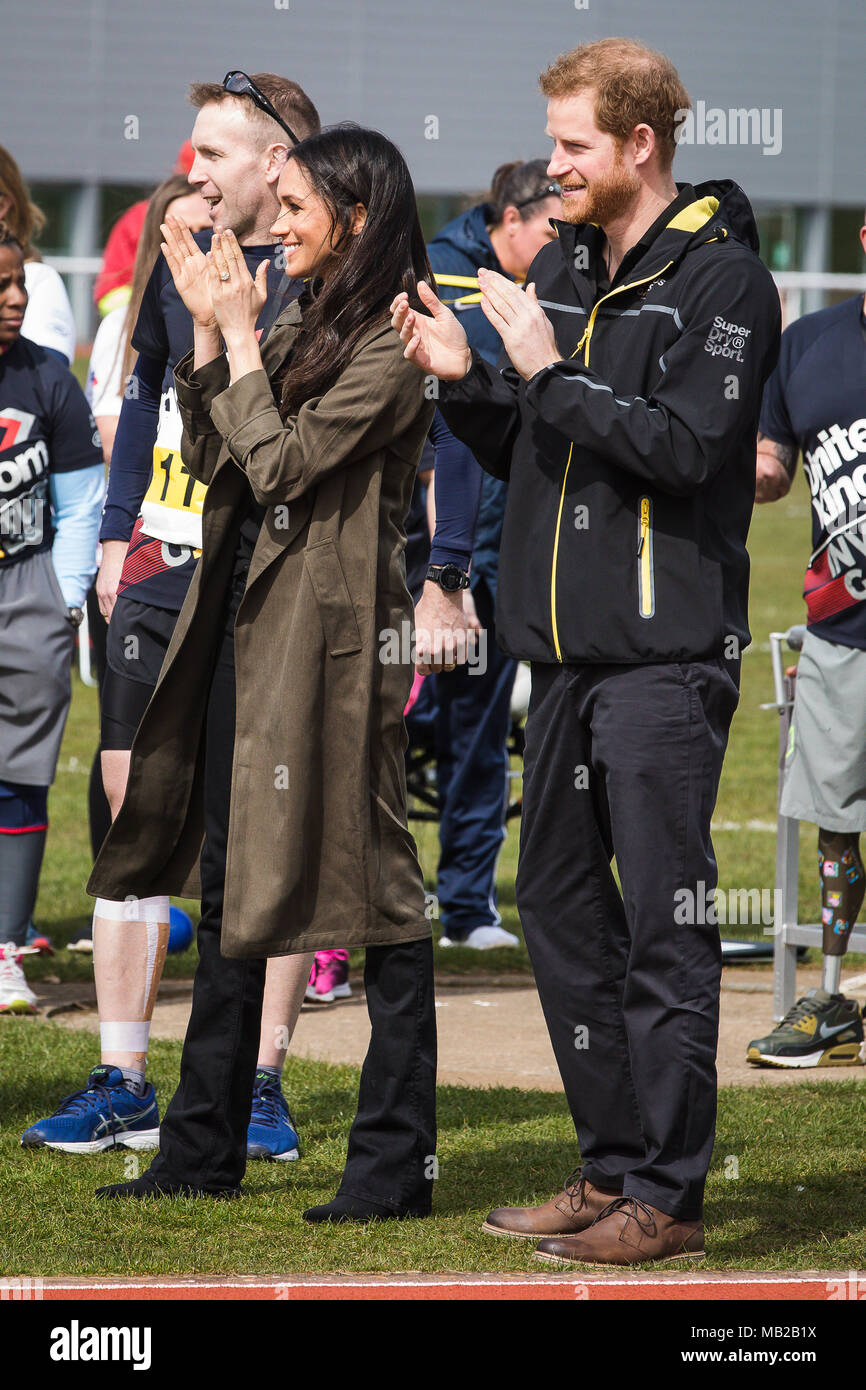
[
  {"x": 467, "y": 234},
  {"x": 734, "y": 210}
]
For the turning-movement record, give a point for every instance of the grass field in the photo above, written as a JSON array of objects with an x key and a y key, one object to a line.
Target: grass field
[
  {"x": 798, "y": 1200},
  {"x": 746, "y": 856}
]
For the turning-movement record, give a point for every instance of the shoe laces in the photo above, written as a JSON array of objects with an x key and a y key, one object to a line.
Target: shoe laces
[
  {"x": 79, "y": 1101},
  {"x": 575, "y": 1190},
  {"x": 10, "y": 961},
  {"x": 634, "y": 1208},
  {"x": 267, "y": 1099},
  {"x": 801, "y": 1009}
]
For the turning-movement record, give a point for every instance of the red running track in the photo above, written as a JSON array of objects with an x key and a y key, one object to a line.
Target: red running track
[{"x": 816, "y": 1286}]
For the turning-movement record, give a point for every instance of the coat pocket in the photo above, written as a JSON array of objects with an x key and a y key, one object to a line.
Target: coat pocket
[{"x": 336, "y": 609}]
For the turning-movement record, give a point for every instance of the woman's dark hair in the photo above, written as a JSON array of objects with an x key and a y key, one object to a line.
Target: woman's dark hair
[
  {"x": 524, "y": 186},
  {"x": 347, "y": 165}
]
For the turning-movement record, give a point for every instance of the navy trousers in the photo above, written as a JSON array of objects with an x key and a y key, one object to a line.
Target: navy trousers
[
  {"x": 472, "y": 720},
  {"x": 625, "y": 761}
]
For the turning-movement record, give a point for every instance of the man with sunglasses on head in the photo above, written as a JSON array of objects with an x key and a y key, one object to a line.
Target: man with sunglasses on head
[{"x": 151, "y": 539}]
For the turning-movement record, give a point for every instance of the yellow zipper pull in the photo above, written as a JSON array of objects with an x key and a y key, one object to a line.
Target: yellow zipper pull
[
  {"x": 646, "y": 595},
  {"x": 644, "y": 523}
]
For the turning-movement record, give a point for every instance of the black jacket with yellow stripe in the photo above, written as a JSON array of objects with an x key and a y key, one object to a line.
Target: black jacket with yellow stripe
[{"x": 631, "y": 461}]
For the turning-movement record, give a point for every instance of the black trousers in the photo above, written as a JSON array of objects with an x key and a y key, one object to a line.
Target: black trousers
[
  {"x": 203, "y": 1136},
  {"x": 98, "y": 810},
  {"x": 625, "y": 761}
]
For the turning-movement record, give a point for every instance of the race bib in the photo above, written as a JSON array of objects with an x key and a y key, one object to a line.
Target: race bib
[{"x": 172, "y": 506}]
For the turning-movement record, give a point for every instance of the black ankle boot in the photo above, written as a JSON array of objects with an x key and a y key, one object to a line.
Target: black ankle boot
[{"x": 345, "y": 1208}]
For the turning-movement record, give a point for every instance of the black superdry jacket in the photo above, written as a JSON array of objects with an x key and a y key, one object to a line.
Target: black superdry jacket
[{"x": 631, "y": 461}]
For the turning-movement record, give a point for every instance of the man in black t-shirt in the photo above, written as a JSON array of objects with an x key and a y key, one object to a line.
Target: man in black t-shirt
[
  {"x": 814, "y": 404},
  {"x": 151, "y": 538}
]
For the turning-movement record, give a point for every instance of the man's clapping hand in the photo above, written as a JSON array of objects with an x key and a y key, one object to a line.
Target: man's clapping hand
[
  {"x": 526, "y": 331},
  {"x": 436, "y": 343}
]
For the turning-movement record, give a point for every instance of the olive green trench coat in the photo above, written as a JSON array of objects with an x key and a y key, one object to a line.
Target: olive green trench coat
[{"x": 319, "y": 854}]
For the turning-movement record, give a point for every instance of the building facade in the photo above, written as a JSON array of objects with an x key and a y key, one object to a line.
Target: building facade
[{"x": 93, "y": 101}]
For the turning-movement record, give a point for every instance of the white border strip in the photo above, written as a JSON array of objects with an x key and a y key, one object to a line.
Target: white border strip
[{"x": 393, "y": 1280}]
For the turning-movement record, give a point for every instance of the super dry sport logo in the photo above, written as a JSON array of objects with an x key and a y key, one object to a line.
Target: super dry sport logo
[{"x": 727, "y": 339}]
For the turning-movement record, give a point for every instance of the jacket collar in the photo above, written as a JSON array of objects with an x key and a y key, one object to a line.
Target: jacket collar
[
  {"x": 694, "y": 217},
  {"x": 685, "y": 212},
  {"x": 291, "y": 306}
]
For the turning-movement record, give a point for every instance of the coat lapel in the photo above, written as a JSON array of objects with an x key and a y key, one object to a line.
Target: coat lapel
[
  {"x": 274, "y": 538},
  {"x": 278, "y": 530}
]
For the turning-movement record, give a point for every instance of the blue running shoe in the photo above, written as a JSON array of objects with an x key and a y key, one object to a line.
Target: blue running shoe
[
  {"x": 272, "y": 1134},
  {"x": 105, "y": 1115}
]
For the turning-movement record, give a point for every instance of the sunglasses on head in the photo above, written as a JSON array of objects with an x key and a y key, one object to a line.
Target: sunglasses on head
[
  {"x": 550, "y": 190},
  {"x": 242, "y": 86}
]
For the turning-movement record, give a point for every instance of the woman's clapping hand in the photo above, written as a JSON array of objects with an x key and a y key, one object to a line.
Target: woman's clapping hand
[{"x": 237, "y": 298}]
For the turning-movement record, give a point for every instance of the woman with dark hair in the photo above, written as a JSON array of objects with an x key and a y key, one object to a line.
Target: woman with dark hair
[{"x": 275, "y": 734}]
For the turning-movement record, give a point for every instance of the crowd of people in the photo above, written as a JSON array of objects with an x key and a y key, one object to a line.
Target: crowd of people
[{"x": 283, "y": 490}]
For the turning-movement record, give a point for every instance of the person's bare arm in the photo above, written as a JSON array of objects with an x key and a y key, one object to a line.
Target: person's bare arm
[
  {"x": 107, "y": 426},
  {"x": 775, "y": 466},
  {"x": 113, "y": 552},
  {"x": 108, "y": 577}
]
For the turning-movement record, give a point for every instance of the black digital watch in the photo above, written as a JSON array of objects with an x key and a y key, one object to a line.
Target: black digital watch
[{"x": 450, "y": 578}]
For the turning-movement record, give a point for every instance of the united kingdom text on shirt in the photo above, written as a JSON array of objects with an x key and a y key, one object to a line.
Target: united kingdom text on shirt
[{"x": 815, "y": 401}]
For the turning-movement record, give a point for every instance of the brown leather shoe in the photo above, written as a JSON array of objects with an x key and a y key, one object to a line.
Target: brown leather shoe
[
  {"x": 571, "y": 1210},
  {"x": 627, "y": 1232}
]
